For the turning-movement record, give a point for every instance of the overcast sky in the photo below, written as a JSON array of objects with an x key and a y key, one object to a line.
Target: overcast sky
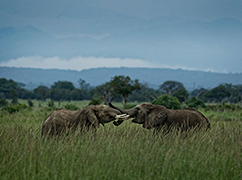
[
  {"x": 198, "y": 55},
  {"x": 205, "y": 9}
]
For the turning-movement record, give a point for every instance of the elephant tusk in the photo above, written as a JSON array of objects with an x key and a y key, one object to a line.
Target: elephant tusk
[{"x": 122, "y": 117}]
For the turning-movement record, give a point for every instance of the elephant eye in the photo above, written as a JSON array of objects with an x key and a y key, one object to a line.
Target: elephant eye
[{"x": 105, "y": 111}]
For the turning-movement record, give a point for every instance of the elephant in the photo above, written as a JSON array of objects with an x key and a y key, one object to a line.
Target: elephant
[
  {"x": 159, "y": 117},
  {"x": 62, "y": 120}
]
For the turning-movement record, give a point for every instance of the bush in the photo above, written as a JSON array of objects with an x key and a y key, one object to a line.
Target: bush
[
  {"x": 169, "y": 102},
  {"x": 51, "y": 104},
  {"x": 195, "y": 103},
  {"x": 224, "y": 107},
  {"x": 15, "y": 108},
  {"x": 71, "y": 107},
  {"x": 47, "y": 109},
  {"x": 95, "y": 101},
  {"x": 30, "y": 103},
  {"x": 3, "y": 102}
]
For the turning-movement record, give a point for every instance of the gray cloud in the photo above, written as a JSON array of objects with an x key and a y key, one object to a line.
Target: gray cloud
[{"x": 77, "y": 63}]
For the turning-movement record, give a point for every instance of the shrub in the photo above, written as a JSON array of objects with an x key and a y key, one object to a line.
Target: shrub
[
  {"x": 15, "y": 108},
  {"x": 224, "y": 107},
  {"x": 3, "y": 102},
  {"x": 169, "y": 102},
  {"x": 95, "y": 100},
  {"x": 195, "y": 103},
  {"x": 71, "y": 107},
  {"x": 30, "y": 103},
  {"x": 51, "y": 104}
]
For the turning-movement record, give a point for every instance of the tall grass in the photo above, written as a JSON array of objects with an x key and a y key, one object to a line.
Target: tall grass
[{"x": 124, "y": 152}]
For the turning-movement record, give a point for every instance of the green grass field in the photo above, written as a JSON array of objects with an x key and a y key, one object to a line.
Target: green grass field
[{"x": 124, "y": 152}]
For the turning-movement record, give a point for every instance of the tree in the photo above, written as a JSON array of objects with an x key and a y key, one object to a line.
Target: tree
[
  {"x": 85, "y": 89},
  {"x": 170, "y": 87},
  {"x": 236, "y": 94},
  {"x": 60, "y": 94},
  {"x": 3, "y": 102},
  {"x": 76, "y": 94},
  {"x": 61, "y": 90},
  {"x": 63, "y": 85},
  {"x": 10, "y": 89},
  {"x": 41, "y": 92},
  {"x": 176, "y": 89},
  {"x": 124, "y": 86},
  {"x": 7, "y": 85},
  {"x": 199, "y": 93},
  {"x": 218, "y": 93},
  {"x": 13, "y": 95},
  {"x": 144, "y": 94},
  {"x": 181, "y": 94},
  {"x": 83, "y": 85},
  {"x": 106, "y": 92},
  {"x": 25, "y": 94}
]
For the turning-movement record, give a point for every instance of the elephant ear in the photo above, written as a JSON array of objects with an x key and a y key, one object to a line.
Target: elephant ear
[
  {"x": 91, "y": 116},
  {"x": 155, "y": 118}
]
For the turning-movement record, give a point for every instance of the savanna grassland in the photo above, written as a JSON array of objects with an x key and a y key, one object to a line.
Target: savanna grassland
[{"x": 124, "y": 152}]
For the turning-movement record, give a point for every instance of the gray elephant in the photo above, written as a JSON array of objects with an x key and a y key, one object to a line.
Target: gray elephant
[
  {"x": 158, "y": 117},
  {"x": 62, "y": 120}
]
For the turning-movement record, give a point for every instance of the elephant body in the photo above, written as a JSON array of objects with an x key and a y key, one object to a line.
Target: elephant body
[
  {"x": 62, "y": 120},
  {"x": 158, "y": 117}
]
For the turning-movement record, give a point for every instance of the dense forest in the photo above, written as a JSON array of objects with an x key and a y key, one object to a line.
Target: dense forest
[
  {"x": 32, "y": 77},
  {"x": 121, "y": 89}
]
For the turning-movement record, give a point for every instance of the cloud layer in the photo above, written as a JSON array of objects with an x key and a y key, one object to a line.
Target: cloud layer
[
  {"x": 80, "y": 63},
  {"x": 77, "y": 63}
]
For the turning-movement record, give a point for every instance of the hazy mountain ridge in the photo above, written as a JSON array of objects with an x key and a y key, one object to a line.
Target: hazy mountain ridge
[{"x": 152, "y": 76}]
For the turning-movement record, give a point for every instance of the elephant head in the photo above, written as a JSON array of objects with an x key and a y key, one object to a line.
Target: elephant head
[
  {"x": 90, "y": 117},
  {"x": 146, "y": 114},
  {"x": 156, "y": 116},
  {"x": 100, "y": 114}
]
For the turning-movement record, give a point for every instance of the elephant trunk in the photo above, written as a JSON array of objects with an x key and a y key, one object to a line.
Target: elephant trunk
[
  {"x": 123, "y": 111},
  {"x": 132, "y": 112}
]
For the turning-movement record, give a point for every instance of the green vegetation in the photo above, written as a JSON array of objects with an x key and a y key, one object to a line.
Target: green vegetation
[
  {"x": 169, "y": 102},
  {"x": 195, "y": 103},
  {"x": 71, "y": 107},
  {"x": 95, "y": 100},
  {"x": 124, "y": 86},
  {"x": 15, "y": 108},
  {"x": 119, "y": 88},
  {"x": 124, "y": 152}
]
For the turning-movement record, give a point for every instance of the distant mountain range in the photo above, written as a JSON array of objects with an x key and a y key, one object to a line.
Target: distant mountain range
[{"x": 152, "y": 76}]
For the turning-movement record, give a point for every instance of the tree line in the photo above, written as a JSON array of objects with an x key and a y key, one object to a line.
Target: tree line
[{"x": 120, "y": 89}]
